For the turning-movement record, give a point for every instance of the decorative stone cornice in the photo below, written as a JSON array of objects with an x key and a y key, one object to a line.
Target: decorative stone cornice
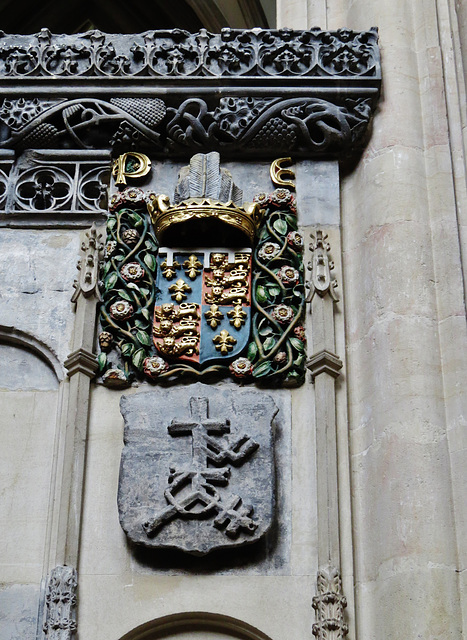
[
  {"x": 81, "y": 361},
  {"x": 329, "y": 605},
  {"x": 176, "y": 53},
  {"x": 324, "y": 362},
  {"x": 257, "y": 91},
  {"x": 60, "y": 601}
]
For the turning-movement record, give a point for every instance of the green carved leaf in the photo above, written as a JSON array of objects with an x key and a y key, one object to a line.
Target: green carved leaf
[
  {"x": 145, "y": 313},
  {"x": 150, "y": 245},
  {"x": 280, "y": 226},
  {"x": 136, "y": 219},
  {"x": 119, "y": 258},
  {"x": 144, "y": 291},
  {"x": 261, "y": 294},
  {"x": 150, "y": 261},
  {"x": 273, "y": 290},
  {"x": 291, "y": 221},
  {"x": 123, "y": 294},
  {"x": 262, "y": 369},
  {"x": 127, "y": 349},
  {"x": 143, "y": 337},
  {"x": 110, "y": 281},
  {"x": 298, "y": 344},
  {"x": 252, "y": 351},
  {"x": 265, "y": 331},
  {"x": 269, "y": 343},
  {"x": 111, "y": 222},
  {"x": 102, "y": 361},
  {"x": 138, "y": 358},
  {"x": 300, "y": 360},
  {"x": 132, "y": 285},
  {"x": 107, "y": 267}
]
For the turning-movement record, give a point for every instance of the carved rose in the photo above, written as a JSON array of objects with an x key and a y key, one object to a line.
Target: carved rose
[
  {"x": 283, "y": 313},
  {"x": 115, "y": 201},
  {"x": 269, "y": 250},
  {"x": 295, "y": 240},
  {"x": 299, "y": 333},
  {"x": 288, "y": 275},
  {"x": 282, "y": 196},
  {"x": 261, "y": 198},
  {"x": 241, "y": 367},
  {"x": 105, "y": 340},
  {"x": 154, "y": 366},
  {"x": 132, "y": 271},
  {"x": 121, "y": 310},
  {"x": 130, "y": 236},
  {"x": 133, "y": 195}
]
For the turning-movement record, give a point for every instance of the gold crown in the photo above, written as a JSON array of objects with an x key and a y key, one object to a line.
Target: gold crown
[{"x": 246, "y": 218}]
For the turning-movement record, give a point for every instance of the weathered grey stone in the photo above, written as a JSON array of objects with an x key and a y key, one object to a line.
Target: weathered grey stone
[
  {"x": 197, "y": 470},
  {"x": 18, "y": 612}
]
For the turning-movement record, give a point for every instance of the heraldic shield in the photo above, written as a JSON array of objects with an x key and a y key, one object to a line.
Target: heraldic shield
[
  {"x": 203, "y": 286},
  {"x": 204, "y": 304},
  {"x": 197, "y": 468}
]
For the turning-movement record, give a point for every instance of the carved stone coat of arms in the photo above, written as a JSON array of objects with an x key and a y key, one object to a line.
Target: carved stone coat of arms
[{"x": 197, "y": 468}]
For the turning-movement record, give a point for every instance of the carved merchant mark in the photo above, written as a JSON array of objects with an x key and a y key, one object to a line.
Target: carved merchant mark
[
  {"x": 191, "y": 493},
  {"x": 191, "y": 478}
]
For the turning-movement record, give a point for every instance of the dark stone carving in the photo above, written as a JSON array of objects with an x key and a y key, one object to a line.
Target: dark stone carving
[
  {"x": 196, "y": 482},
  {"x": 41, "y": 184},
  {"x": 60, "y": 601},
  {"x": 242, "y": 92},
  {"x": 248, "y": 125},
  {"x": 233, "y": 52},
  {"x": 5, "y": 167}
]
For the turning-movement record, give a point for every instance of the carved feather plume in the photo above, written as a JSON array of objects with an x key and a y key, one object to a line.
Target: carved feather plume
[{"x": 204, "y": 178}]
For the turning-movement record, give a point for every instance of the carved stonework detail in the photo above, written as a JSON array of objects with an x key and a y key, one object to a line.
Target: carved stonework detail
[
  {"x": 197, "y": 482},
  {"x": 88, "y": 266},
  {"x": 60, "y": 602},
  {"x": 329, "y": 605},
  {"x": 41, "y": 184},
  {"x": 321, "y": 281},
  {"x": 278, "y": 112},
  {"x": 233, "y": 52}
]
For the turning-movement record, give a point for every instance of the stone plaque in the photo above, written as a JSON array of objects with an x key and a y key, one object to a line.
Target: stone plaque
[{"x": 197, "y": 468}]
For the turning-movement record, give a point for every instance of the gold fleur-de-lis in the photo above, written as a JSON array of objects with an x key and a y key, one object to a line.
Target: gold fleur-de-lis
[
  {"x": 178, "y": 290},
  {"x": 192, "y": 267},
  {"x": 169, "y": 272},
  {"x": 237, "y": 316},
  {"x": 224, "y": 342},
  {"x": 214, "y": 316}
]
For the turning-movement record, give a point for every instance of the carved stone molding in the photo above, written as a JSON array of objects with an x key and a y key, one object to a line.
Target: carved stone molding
[
  {"x": 329, "y": 605},
  {"x": 300, "y": 92},
  {"x": 169, "y": 53},
  {"x": 81, "y": 361},
  {"x": 324, "y": 362},
  {"x": 60, "y": 601}
]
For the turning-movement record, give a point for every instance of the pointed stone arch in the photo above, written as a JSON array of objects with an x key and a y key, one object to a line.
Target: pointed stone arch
[{"x": 180, "y": 624}]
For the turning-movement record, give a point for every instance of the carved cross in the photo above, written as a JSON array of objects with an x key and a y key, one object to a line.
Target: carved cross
[{"x": 199, "y": 426}]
